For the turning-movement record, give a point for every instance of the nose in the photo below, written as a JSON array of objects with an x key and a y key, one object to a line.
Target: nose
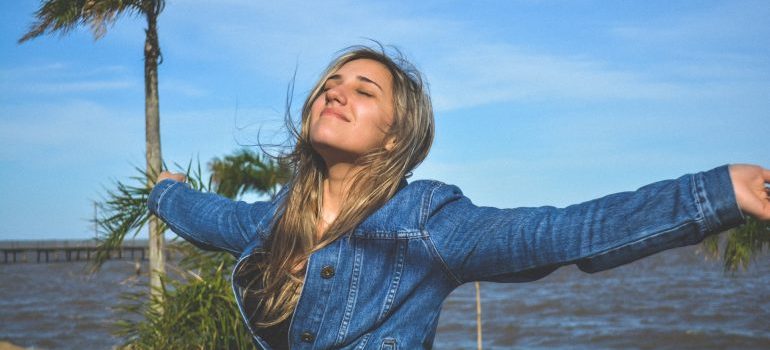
[{"x": 337, "y": 94}]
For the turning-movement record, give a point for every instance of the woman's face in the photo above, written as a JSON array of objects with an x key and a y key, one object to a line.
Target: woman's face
[{"x": 353, "y": 112}]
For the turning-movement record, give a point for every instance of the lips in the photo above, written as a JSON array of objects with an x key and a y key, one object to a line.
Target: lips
[{"x": 333, "y": 112}]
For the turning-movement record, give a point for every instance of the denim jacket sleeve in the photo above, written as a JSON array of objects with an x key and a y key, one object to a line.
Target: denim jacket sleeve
[
  {"x": 208, "y": 220},
  {"x": 524, "y": 244}
]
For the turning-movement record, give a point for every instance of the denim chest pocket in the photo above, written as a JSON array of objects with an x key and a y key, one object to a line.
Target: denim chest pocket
[
  {"x": 379, "y": 262},
  {"x": 382, "y": 262},
  {"x": 376, "y": 268}
]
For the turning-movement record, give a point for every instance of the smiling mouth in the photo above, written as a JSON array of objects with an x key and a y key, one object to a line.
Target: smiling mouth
[{"x": 333, "y": 113}]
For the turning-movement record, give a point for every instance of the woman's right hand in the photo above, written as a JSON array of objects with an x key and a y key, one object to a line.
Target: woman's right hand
[
  {"x": 752, "y": 193},
  {"x": 173, "y": 176}
]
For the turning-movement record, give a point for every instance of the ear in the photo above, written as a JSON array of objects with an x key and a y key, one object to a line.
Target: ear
[{"x": 390, "y": 143}]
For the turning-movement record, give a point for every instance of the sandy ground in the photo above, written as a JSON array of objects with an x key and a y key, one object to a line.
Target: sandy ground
[{"x": 4, "y": 345}]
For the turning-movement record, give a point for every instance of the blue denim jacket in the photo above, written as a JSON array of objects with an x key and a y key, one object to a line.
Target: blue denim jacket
[{"x": 382, "y": 285}]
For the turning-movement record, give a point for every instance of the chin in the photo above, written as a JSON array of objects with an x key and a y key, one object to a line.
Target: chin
[{"x": 323, "y": 148}]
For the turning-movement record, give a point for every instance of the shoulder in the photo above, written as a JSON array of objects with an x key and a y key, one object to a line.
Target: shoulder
[
  {"x": 433, "y": 195},
  {"x": 411, "y": 207},
  {"x": 436, "y": 193}
]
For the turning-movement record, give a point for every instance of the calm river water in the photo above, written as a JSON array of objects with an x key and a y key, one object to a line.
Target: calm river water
[{"x": 674, "y": 300}]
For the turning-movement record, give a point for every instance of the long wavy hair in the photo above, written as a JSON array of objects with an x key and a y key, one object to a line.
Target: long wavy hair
[{"x": 275, "y": 281}]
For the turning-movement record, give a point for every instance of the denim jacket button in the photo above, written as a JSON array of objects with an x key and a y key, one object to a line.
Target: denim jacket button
[
  {"x": 327, "y": 272},
  {"x": 307, "y": 337}
]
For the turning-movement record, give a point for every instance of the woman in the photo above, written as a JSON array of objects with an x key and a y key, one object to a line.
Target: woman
[{"x": 349, "y": 255}]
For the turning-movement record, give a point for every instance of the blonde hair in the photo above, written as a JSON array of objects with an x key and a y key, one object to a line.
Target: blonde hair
[{"x": 275, "y": 286}]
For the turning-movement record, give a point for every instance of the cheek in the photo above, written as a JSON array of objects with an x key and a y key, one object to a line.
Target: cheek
[
  {"x": 316, "y": 106},
  {"x": 315, "y": 113},
  {"x": 373, "y": 135},
  {"x": 383, "y": 122}
]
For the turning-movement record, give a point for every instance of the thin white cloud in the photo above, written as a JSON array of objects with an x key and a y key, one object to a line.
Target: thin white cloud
[
  {"x": 74, "y": 86},
  {"x": 226, "y": 129},
  {"x": 482, "y": 74},
  {"x": 23, "y": 71},
  {"x": 726, "y": 23},
  {"x": 65, "y": 78},
  {"x": 273, "y": 38},
  {"x": 464, "y": 65},
  {"x": 68, "y": 132},
  {"x": 61, "y": 70},
  {"x": 181, "y": 87}
]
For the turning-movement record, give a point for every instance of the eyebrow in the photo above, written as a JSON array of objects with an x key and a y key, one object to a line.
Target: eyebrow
[{"x": 359, "y": 77}]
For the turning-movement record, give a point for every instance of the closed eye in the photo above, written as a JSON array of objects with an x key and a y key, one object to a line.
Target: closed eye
[{"x": 365, "y": 93}]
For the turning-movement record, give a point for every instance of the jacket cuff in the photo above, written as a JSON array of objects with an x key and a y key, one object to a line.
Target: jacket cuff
[
  {"x": 716, "y": 198},
  {"x": 157, "y": 193}
]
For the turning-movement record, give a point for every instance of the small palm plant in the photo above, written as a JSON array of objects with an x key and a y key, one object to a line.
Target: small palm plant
[
  {"x": 247, "y": 171},
  {"x": 741, "y": 245},
  {"x": 193, "y": 308}
]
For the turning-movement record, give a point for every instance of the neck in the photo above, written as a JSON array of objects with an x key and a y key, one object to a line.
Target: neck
[{"x": 335, "y": 187}]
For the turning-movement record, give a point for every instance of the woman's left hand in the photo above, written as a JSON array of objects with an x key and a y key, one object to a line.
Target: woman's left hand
[{"x": 751, "y": 191}]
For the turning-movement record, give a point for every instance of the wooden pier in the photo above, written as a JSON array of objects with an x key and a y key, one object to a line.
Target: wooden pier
[{"x": 46, "y": 251}]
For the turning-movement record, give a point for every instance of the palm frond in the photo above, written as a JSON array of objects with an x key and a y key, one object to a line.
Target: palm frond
[
  {"x": 193, "y": 307},
  {"x": 199, "y": 313},
  {"x": 710, "y": 246},
  {"x": 745, "y": 243},
  {"x": 246, "y": 171},
  {"x": 62, "y": 16},
  {"x": 123, "y": 211},
  {"x": 99, "y": 14},
  {"x": 740, "y": 246}
]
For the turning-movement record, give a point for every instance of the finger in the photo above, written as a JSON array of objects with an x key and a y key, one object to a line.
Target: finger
[
  {"x": 178, "y": 177},
  {"x": 168, "y": 175}
]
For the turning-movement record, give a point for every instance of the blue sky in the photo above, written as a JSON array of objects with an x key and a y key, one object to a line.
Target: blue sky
[{"x": 537, "y": 102}]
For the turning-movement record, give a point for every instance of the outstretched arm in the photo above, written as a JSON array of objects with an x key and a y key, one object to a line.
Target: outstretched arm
[
  {"x": 207, "y": 220},
  {"x": 524, "y": 244}
]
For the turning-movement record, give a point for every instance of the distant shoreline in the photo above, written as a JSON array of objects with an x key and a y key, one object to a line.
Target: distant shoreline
[
  {"x": 45, "y": 251},
  {"x": 13, "y": 243}
]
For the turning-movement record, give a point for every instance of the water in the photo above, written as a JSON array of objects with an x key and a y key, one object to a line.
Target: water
[
  {"x": 59, "y": 306},
  {"x": 674, "y": 300}
]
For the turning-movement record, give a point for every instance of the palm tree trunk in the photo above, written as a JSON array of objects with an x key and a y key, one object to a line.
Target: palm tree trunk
[{"x": 152, "y": 130}]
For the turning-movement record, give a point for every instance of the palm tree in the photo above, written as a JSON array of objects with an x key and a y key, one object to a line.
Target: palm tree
[
  {"x": 245, "y": 171},
  {"x": 61, "y": 16}
]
